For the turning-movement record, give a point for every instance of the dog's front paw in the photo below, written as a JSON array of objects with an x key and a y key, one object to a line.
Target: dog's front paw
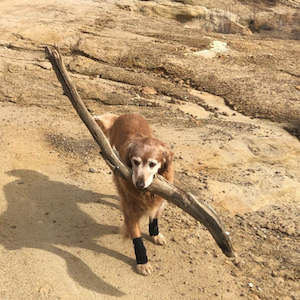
[
  {"x": 159, "y": 239},
  {"x": 144, "y": 269}
]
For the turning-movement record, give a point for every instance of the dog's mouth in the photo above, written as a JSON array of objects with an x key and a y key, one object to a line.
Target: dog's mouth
[{"x": 142, "y": 182}]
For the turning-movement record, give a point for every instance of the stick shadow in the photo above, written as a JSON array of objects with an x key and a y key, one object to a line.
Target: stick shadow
[{"x": 44, "y": 214}]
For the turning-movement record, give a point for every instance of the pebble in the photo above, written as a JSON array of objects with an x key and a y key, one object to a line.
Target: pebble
[
  {"x": 279, "y": 280},
  {"x": 149, "y": 91},
  {"x": 45, "y": 289}
]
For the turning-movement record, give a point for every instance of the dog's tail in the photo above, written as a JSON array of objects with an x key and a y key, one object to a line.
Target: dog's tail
[{"x": 106, "y": 122}]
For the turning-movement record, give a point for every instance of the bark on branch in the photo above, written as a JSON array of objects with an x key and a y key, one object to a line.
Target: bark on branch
[{"x": 191, "y": 204}]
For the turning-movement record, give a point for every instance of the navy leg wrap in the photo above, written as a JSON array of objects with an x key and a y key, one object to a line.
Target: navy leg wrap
[
  {"x": 153, "y": 227},
  {"x": 140, "y": 251}
]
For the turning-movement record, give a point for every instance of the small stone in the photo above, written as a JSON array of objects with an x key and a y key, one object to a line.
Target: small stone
[
  {"x": 239, "y": 264},
  {"x": 149, "y": 91},
  {"x": 92, "y": 170},
  {"x": 279, "y": 280},
  {"x": 45, "y": 289}
]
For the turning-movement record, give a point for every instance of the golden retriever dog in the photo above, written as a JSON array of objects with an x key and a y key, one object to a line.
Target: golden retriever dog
[{"x": 132, "y": 137}]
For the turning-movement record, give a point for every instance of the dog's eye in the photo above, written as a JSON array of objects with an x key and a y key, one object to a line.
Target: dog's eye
[
  {"x": 136, "y": 162},
  {"x": 152, "y": 165}
]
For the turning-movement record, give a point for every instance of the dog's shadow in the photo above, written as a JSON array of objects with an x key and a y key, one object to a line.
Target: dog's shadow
[{"x": 44, "y": 214}]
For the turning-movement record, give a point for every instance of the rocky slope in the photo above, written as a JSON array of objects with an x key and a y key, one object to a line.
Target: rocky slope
[{"x": 218, "y": 82}]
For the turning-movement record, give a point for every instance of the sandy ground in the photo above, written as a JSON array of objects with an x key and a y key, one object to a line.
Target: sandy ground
[{"x": 227, "y": 103}]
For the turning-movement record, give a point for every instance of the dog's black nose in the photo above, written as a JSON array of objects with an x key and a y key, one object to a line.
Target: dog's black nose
[{"x": 140, "y": 184}]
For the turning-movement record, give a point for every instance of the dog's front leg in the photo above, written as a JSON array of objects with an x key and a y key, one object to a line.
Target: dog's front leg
[
  {"x": 143, "y": 266},
  {"x": 156, "y": 237}
]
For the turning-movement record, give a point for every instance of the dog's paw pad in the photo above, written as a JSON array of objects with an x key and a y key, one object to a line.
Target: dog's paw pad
[
  {"x": 144, "y": 269},
  {"x": 159, "y": 239}
]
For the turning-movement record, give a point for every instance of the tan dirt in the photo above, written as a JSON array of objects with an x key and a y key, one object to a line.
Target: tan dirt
[{"x": 225, "y": 101}]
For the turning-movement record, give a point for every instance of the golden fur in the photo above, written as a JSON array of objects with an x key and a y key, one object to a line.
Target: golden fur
[{"x": 132, "y": 137}]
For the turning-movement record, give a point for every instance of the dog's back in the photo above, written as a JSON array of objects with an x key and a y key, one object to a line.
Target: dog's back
[
  {"x": 128, "y": 127},
  {"x": 122, "y": 129},
  {"x": 105, "y": 122}
]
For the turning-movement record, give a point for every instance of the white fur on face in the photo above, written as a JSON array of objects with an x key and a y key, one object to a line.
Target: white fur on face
[{"x": 143, "y": 172}]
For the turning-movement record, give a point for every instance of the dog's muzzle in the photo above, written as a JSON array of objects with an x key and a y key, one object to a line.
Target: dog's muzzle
[{"x": 140, "y": 185}]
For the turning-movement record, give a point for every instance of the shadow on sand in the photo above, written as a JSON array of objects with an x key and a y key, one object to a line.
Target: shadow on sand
[{"x": 43, "y": 214}]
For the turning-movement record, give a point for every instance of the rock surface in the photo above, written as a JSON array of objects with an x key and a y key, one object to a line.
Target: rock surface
[{"x": 231, "y": 117}]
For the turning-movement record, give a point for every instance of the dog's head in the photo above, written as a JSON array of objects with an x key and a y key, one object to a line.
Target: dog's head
[{"x": 146, "y": 157}]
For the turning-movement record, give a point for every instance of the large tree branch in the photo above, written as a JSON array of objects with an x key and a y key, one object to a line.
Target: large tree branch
[{"x": 191, "y": 204}]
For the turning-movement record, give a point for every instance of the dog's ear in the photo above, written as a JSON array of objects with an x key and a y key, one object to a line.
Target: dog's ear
[
  {"x": 128, "y": 155},
  {"x": 167, "y": 157}
]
